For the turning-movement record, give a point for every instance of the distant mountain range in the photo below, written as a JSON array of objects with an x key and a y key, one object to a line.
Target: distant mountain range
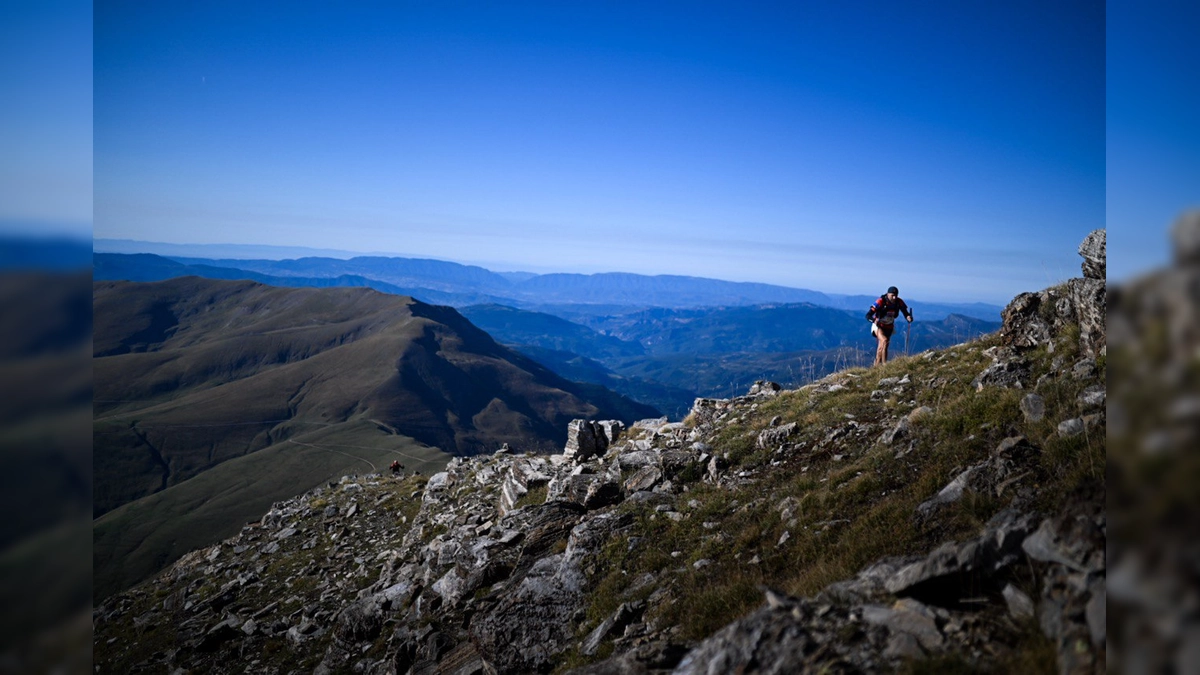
[
  {"x": 667, "y": 357},
  {"x": 214, "y": 398},
  {"x": 653, "y": 339},
  {"x": 458, "y": 285}
]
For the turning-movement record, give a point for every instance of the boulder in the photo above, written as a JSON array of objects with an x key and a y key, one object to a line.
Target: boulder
[
  {"x": 907, "y": 616},
  {"x": 957, "y": 570},
  {"x": 1033, "y": 407},
  {"x": 585, "y": 439},
  {"x": 530, "y": 626},
  {"x": 644, "y": 478},
  {"x": 775, "y": 436},
  {"x": 1006, "y": 374},
  {"x": 1092, "y": 249}
]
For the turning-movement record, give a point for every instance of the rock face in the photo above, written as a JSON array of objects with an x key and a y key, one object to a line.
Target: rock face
[
  {"x": 522, "y": 563},
  {"x": 1095, "y": 259},
  {"x": 1032, "y": 319}
]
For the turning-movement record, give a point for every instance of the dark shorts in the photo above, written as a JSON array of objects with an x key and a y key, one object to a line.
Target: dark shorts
[{"x": 885, "y": 329}]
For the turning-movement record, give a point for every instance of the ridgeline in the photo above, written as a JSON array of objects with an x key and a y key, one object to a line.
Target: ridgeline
[{"x": 944, "y": 512}]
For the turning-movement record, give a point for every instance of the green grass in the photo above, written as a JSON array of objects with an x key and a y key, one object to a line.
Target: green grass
[
  {"x": 533, "y": 497},
  {"x": 852, "y": 512}
]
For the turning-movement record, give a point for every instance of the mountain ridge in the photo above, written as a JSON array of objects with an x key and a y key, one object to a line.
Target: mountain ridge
[
  {"x": 942, "y": 512},
  {"x": 192, "y": 373},
  {"x": 454, "y": 279}
]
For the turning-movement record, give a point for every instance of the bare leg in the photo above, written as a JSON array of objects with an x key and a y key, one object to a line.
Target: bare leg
[{"x": 881, "y": 352}]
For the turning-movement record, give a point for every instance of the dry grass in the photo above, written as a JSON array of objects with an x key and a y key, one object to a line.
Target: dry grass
[{"x": 850, "y": 511}]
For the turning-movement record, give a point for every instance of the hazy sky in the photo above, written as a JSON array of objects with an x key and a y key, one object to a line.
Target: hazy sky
[{"x": 956, "y": 150}]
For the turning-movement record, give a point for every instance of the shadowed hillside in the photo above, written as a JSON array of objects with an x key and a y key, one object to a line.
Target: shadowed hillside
[{"x": 193, "y": 373}]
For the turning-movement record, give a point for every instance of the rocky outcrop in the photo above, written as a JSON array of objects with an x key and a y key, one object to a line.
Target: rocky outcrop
[
  {"x": 1033, "y": 319},
  {"x": 1093, "y": 251}
]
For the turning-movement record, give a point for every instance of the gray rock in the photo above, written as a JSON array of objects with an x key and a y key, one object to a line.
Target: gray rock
[
  {"x": 1089, "y": 298},
  {"x": 918, "y": 413},
  {"x": 451, "y": 587},
  {"x": 1009, "y": 374},
  {"x": 1092, "y": 397},
  {"x": 1070, "y": 427},
  {"x": 951, "y": 493},
  {"x": 531, "y": 625},
  {"x": 219, "y": 634},
  {"x": 1024, "y": 326},
  {"x": 522, "y": 476},
  {"x": 767, "y": 641},
  {"x": 907, "y": 616},
  {"x": 775, "y": 436},
  {"x": 1047, "y": 545},
  {"x": 936, "y": 578},
  {"x": 619, "y": 619},
  {"x": 644, "y": 478},
  {"x": 585, "y": 439},
  {"x": 1084, "y": 369},
  {"x": 903, "y": 646},
  {"x": 611, "y": 430},
  {"x": 652, "y": 423},
  {"x": 303, "y": 632},
  {"x": 1093, "y": 250},
  {"x": 716, "y": 466},
  {"x": 1033, "y": 407},
  {"x": 637, "y": 459},
  {"x": 590, "y": 490},
  {"x": 1020, "y": 606},
  {"x": 896, "y": 433},
  {"x": 764, "y": 388}
]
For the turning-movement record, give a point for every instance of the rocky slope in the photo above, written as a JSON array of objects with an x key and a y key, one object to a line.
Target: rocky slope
[{"x": 944, "y": 511}]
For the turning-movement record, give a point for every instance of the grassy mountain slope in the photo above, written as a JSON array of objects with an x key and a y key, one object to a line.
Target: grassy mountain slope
[
  {"x": 796, "y": 492},
  {"x": 193, "y": 373},
  {"x": 137, "y": 539}
]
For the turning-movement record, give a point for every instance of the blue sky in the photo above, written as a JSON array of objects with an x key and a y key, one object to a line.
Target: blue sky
[
  {"x": 1153, "y": 139},
  {"x": 956, "y": 150},
  {"x": 46, "y": 118}
]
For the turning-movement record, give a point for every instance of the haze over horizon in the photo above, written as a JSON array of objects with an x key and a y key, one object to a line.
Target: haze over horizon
[
  {"x": 234, "y": 252},
  {"x": 955, "y": 151}
]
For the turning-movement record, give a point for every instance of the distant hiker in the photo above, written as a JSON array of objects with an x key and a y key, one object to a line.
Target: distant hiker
[
  {"x": 882, "y": 316},
  {"x": 396, "y": 467}
]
